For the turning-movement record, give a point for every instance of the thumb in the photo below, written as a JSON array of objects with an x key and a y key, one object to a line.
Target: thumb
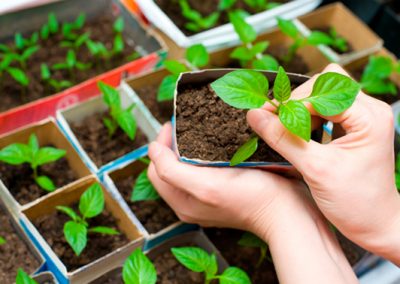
[{"x": 268, "y": 126}]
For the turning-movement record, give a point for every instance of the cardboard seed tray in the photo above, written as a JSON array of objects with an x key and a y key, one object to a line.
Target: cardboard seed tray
[
  {"x": 149, "y": 45},
  {"x": 45, "y": 278},
  {"x": 66, "y": 197},
  {"x": 47, "y": 133}
]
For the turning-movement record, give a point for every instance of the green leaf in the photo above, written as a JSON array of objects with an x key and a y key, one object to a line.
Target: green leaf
[
  {"x": 243, "y": 89},
  {"x": 80, "y": 21},
  {"x": 4, "y": 48},
  {"x": 192, "y": 27},
  {"x": 234, "y": 275},
  {"x": 53, "y": 23},
  {"x": 24, "y": 278},
  {"x": 19, "y": 41},
  {"x": 103, "y": 230},
  {"x": 45, "y": 72},
  {"x": 250, "y": 240},
  {"x": 118, "y": 26},
  {"x": 45, "y": 31},
  {"x": 82, "y": 66},
  {"x": 175, "y": 67},
  {"x": 167, "y": 87},
  {"x": 188, "y": 13},
  {"x": 376, "y": 86},
  {"x": 288, "y": 27},
  {"x": 16, "y": 154},
  {"x": 76, "y": 236},
  {"x": 266, "y": 62},
  {"x": 5, "y": 62},
  {"x": 45, "y": 183},
  {"x": 209, "y": 21},
  {"x": 212, "y": 267},
  {"x": 138, "y": 269},
  {"x": 47, "y": 155},
  {"x": 71, "y": 59},
  {"x": 245, "y": 151},
  {"x": 226, "y": 4},
  {"x": 241, "y": 53},
  {"x": 18, "y": 76},
  {"x": 193, "y": 258},
  {"x": 246, "y": 32},
  {"x": 296, "y": 118},
  {"x": 91, "y": 202},
  {"x": 70, "y": 212},
  {"x": 82, "y": 39},
  {"x": 126, "y": 120},
  {"x": 110, "y": 94},
  {"x": 397, "y": 180},
  {"x": 333, "y": 93},
  {"x": 60, "y": 66},
  {"x": 2, "y": 240},
  {"x": 28, "y": 52},
  {"x": 145, "y": 161},
  {"x": 378, "y": 67},
  {"x": 317, "y": 37},
  {"x": 144, "y": 189},
  {"x": 282, "y": 87},
  {"x": 111, "y": 126},
  {"x": 259, "y": 47},
  {"x": 197, "y": 55},
  {"x": 33, "y": 144},
  {"x": 118, "y": 46}
]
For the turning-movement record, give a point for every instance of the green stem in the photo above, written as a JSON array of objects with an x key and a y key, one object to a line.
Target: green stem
[{"x": 35, "y": 173}]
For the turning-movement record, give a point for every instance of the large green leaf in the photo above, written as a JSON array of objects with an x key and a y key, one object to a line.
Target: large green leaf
[
  {"x": 91, "y": 202},
  {"x": 193, "y": 258},
  {"x": 24, "y": 278},
  {"x": 76, "y": 236},
  {"x": 296, "y": 118},
  {"x": 16, "y": 154},
  {"x": 282, "y": 87},
  {"x": 197, "y": 55},
  {"x": 47, "y": 155},
  {"x": 138, "y": 269},
  {"x": 245, "y": 151},
  {"x": 234, "y": 275},
  {"x": 144, "y": 189}
]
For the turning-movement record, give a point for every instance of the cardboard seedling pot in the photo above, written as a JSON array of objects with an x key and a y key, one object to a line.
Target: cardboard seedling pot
[
  {"x": 96, "y": 105},
  {"x": 149, "y": 45},
  {"x": 363, "y": 40},
  {"x": 223, "y": 35},
  {"x": 197, "y": 237},
  {"x": 66, "y": 197},
  {"x": 45, "y": 278},
  {"x": 47, "y": 133}
]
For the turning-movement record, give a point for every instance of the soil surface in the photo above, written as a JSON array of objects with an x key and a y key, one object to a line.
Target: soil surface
[
  {"x": 205, "y": 8},
  {"x": 14, "y": 253},
  {"x": 155, "y": 215},
  {"x": 327, "y": 31},
  {"x": 51, "y": 53},
  {"x": 101, "y": 148},
  {"x": 51, "y": 228},
  {"x": 20, "y": 182},
  {"x": 296, "y": 65}
]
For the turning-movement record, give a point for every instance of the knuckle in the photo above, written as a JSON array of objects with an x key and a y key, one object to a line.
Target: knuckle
[
  {"x": 209, "y": 196},
  {"x": 185, "y": 218},
  {"x": 165, "y": 173}
]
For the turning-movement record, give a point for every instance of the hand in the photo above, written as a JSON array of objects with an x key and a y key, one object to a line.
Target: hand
[{"x": 352, "y": 178}]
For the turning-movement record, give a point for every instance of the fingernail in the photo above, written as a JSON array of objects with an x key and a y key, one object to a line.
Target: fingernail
[{"x": 155, "y": 150}]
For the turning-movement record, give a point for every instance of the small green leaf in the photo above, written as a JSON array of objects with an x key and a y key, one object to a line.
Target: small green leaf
[
  {"x": 241, "y": 53},
  {"x": 82, "y": 39},
  {"x": 376, "y": 86},
  {"x": 245, "y": 31},
  {"x": 47, "y": 155},
  {"x": 91, "y": 202},
  {"x": 29, "y": 52},
  {"x": 76, "y": 236},
  {"x": 110, "y": 94},
  {"x": 143, "y": 188},
  {"x": 288, "y": 27},
  {"x": 118, "y": 26},
  {"x": 138, "y": 269},
  {"x": 103, "y": 230},
  {"x": 69, "y": 211},
  {"x": 378, "y": 67},
  {"x": 282, "y": 87},
  {"x": 19, "y": 41},
  {"x": 118, "y": 46},
  {"x": 82, "y": 66},
  {"x": 193, "y": 258},
  {"x": 111, "y": 126},
  {"x": 24, "y": 278},
  {"x": 197, "y": 55},
  {"x": 296, "y": 118},
  {"x": 18, "y": 76},
  {"x": 2, "y": 240},
  {"x": 251, "y": 240},
  {"x": 317, "y": 37},
  {"x": 45, "y": 32},
  {"x": 234, "y": 275},
  {"x": 245, "y": 151},
  {"x": 226, "y": 4},
  {"x": 175, "y": 67},
  {"x": 53, "y": 23},
  {"x": 126, "y": 120},
  {"x": 45, "y": 72},
  {"x": 33, "y": 144},
  {"x": 80, "y": 21},
  {"x": 212, "y": 267},
  {"x": 243, "y": 89},
  {"x": 71, "y": 59},
  {"x": 45, "y": 183},
  {"x": 145, "y": 161},
  {"x": 259, "y": 47},
  {"x": 16, "y": 154},
  {"x": 167, "y": 87},
  {"x": 209, "y": 21},
  {"x": 266, "y": 62}
]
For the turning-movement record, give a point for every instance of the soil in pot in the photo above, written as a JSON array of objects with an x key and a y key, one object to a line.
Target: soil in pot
[
  {"x": 94, "y": 137},
  {"x": 155, "y": 215},
  {"x": 172, "y": 9},
  {"x": 327, "y": 31},
  {"x": 51, "y": 228},
  {"x": 50, "y": 52},
  {"x": 20, "y": 183},
  {"x": 14, "y": 253},
  {"x": 296, "y": 65}
]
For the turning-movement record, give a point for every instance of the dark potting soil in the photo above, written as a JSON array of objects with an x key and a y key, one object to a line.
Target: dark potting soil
[
  {"x": 205, "y": 7},
  {"x": 296, "y": 65},
  {"x": 14, "y": 253},
  {"x": 101, "y": 148},
  {"x": 155, "y": 215},
  {"x": 327, "y": 31},
  {"x": 51, "y": 228},
  {"x": 101, "y": 29},
  {"x": 20, "y": 182}
]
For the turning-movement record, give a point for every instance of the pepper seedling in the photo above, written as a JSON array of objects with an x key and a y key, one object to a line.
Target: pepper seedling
[
  {"x": 17, "y": 74},
  {"x": 22, "y": 43},
  {"x": 23, "y": 50},
  {"x": 332, "y": 39},
  {"x": 32, "y": 154},
  {"x": 68, "y": 29},
  {"x": 2, "y": 240},
  {"x": 49, "y": 28},
  {"x": 198, "y": 260},
  {"x": 375, "y": 79},
  {"x": 23, "y": 278},
  {"x": 71, "y": 64},
  {"x": 91, "y": 204},
  {"x": 196, "y": 56},
  {"x": 138, "y": 269},
  {"x": 75, "y": 43},
  {"x": 197, "y": 22},
  {"x": 143, "y": 188},
  {"x": 46, "y": 77},
  {"x": 118, "y": 117},
  {"x": 252, "y": 241},
  {"x": 332, "y": 94},
  {"x": 251, "y": 54}
]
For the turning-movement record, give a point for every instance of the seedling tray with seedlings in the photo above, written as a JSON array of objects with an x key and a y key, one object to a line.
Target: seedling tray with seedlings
[
  {"x": 188, "y": 22},
  {"x": 35, "y": 161},
  {"x": 341, "y": 35},
  {"x": 106, "y": 128},
  {"x": 82, "y": 230}
]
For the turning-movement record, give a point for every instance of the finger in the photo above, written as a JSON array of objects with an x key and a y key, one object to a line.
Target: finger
[{"x": 165, "y": 135}]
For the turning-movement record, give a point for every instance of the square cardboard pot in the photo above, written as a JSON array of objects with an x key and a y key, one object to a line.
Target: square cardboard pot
[
  {"x": 48, "y": 134},
  {"x": 45, "y": 278},
  {"x": 67, "y": 196},
  {"x": 149, "y": 45},
  {"x": 96, "y": 105},
  {"x": 222, "y": 35},
  {"x": 363, "y": 40}
]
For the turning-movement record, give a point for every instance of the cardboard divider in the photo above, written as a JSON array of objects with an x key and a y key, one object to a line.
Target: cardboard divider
[
  {"x": 363, "y": 40},
  {"x": 68, "y": 196},
  {"x": 47, "y": 133},
  {"x": 45, "y": 278}
]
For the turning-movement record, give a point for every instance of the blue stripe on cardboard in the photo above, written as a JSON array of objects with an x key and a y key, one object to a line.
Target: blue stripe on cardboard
[{"x": 226, "y": 164}]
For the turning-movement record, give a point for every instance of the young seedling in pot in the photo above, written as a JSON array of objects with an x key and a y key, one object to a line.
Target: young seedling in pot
[
  {"x": 32, "y": 154},
  {"x": 143, "y": 188},
  {"x": 251, "y": 54},
  {"x": 118, "y": 117},
  {"x": 17, "y": 74},
  {"x": 76, "y": 230},
  {"x": 252, "y": 241},
  {"x": 71, "y": 64},
  {"x": 375, "y": 79},
  {"x": 332, "y": 94},
  {"x": 198, "y": 260},
  {"x": 196, "y": 22},
  {"x": 23, "y": 278},
  {"x": 138, "y": 269},
  {"x": 257, "y": 5},
  {"x": 50, "y": 28},
  {"x": 76, "y": 43},
  {"x": 23, "y": 50},
  {"x": 68, "y": 29},
  {"x": 196, "y": 56},
  {"x": 55, "y": 84}
]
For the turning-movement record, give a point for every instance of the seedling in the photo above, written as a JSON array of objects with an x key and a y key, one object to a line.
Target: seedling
[
  {"x": 196, "y": 56},
  {"x": 91, "y": 204},
  {"x": 196, "y": 22},
  {"x": 2, "y": 240},
  {"x": 138, "y": 269},
  {"x": 332, "y": 94},
  {"x": 16, "y": 73},
  {"x": 71, "y": 64},
  {"x": 75, "y": 43},
  {"x": 251, "y": 54},
  {"x": 24, "y": 49},
  {"x": 118, "y": 117},
  {"x": 252, "y": 241},
  {"x": 375, "y": 79},
  {"x": 50, "y": 28},
  {"x": 332, "y": 39},
  {"x": 18, "y": 153},
  {"x": 198, "y": 260},
  {"x": 118, "y": 28},
  {"x": 22, "y": 43},
  {"x": 143, "y": 188},
  {"x": 24, "y": 278},
  {"x": 46, "y": 77},
  {"x": 68, "y": 29}
]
